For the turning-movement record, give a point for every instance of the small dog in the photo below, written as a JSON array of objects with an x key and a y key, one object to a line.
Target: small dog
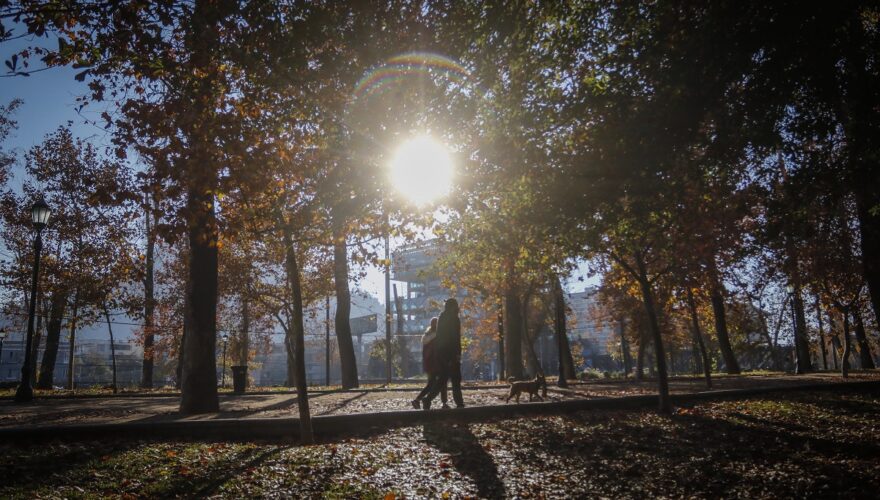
[{"x": 531, "y": 387}]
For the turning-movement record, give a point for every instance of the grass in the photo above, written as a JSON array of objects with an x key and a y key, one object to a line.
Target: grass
[{"x": 802, "y": 444}]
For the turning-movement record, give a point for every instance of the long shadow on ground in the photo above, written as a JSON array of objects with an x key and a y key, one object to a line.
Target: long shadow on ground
[{"x": 467, "y": 456}]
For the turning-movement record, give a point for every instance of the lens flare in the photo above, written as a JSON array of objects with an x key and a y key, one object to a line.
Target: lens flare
[
  {"x": 422, "y": 170},
  {"x": 398, "y": 69}
]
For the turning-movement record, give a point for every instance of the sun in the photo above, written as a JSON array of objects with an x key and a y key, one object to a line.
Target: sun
[{"x": 422, "y": 170}]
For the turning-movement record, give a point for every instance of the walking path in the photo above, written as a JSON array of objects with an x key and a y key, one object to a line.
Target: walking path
[{"x": 268, "y": 414}]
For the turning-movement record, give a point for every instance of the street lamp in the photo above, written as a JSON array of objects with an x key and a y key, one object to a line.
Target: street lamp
[
  {"x": 225, "y": 339},
  {"x": 40, "y": 212}
]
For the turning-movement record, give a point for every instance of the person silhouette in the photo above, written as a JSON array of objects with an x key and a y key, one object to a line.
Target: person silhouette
[
  {"x": 431, "y": 365},
  {"x": 448, "y": 350}
]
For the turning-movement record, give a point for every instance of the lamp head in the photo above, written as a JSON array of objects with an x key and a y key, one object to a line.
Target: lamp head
[{"x": 40, "y": 212}]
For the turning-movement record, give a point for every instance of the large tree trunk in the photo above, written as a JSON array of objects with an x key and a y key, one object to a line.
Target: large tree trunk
[
  {"x": 514, "y": 330},
  {"x": 112, "y": 344},
  {"x": 244, "y": 337},
  {"x": 822, "y": 349},
  {"x": 149, "y": 302},
  {"x": 199, "y": 384},
  {"x": 290, "y": 351},
  {"x": 566, "y": 363},
  {"x": 53, "y": 337},
  {"x": 665, "y": 405},
  {"x": 295, "y": 283},
  {"x": 801, "y": 343},
  {"x": 181, "y": 349},
  {"x": 347, "y": 359},
  {"x": 71, "y": 380},
  {"x": 731, "y": 365},
  {"x": 847, "y": 346},
  {"x": 859, "y": 116},
  {"x": 698, "y": 338},
  {"x": 865, "y": 357},
  {"x": 835, "y": 342},
  {"x": 529, "y": 335}
]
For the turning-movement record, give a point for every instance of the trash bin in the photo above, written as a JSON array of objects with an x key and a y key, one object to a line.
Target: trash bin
[{"x": 239, "y": 379}]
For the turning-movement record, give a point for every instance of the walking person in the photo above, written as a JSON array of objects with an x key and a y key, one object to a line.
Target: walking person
[
  {"x": 431, "y": 365},
  {"x": 448, "y": 349}
]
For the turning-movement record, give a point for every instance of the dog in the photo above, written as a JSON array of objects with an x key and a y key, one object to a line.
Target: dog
[{"x": 531, "y": 387}]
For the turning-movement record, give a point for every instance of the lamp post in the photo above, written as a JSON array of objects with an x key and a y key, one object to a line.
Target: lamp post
[
  {"x": 39, "y": 217},
  {"x": 387, "y": 310},
  {"x": 225, "y": 339}
]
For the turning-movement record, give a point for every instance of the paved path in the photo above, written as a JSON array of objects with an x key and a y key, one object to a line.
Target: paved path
[{"x": 155, "y": 409}]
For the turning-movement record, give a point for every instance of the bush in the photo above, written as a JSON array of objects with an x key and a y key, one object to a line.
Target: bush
[{"x": 592, "y": 374}]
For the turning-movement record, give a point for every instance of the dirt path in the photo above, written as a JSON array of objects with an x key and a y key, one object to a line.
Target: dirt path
[{"x": 162, "y": 408}]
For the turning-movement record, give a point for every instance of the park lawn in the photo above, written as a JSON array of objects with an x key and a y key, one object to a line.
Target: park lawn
[{"x": 820, "y": 444}]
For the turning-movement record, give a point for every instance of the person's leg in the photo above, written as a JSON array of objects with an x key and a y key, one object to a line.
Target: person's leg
[
  {"x": 427, "y": 387},
  {"x": 444, "y": 393},
  {"x": 455, "y": 375},
  {"x": 436, "y": 385}
]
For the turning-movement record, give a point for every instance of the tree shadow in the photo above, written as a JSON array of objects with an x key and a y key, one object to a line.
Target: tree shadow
[
  {"x": 45, "y": 465},
  {"x": 342, "y": 404},
  {"x": 209, "y": 481},
  {"x": 467, "y": 456}
]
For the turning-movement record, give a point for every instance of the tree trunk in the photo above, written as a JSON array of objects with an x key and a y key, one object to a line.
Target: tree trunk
[
  {"x": 347, "y": 359},
  {"x": 182, "y": 347},
  {"x": 290, "y": 350},
  {"x": 563, "y": 348},
  {"x": 53, "y": 337},
  {"x": 665, "y": 405},
  {"x": 865, "y": 357},
  {"x": 149, "y": 302},
  {"x": 698, "y": 338},
  {"x": 822, "y": 349},
  {"x": 112, "y": 344},
  {"x": 244, "y": 338},
  {"x": 835, "y": 342},
  {"x": 514, "y": 329},
  {"x": 528, "y": 337},
  {"x": 302, "y": 395},
  {"x": 199, "y": 385},
  {"x": 731, "y": 365},
  {"x": 801, "y": 343},
  {"x": 71, "y": 381},
  {"x": 844, "y": 365}
]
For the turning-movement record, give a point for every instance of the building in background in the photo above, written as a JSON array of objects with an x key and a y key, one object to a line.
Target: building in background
[{"x": 595, "y": 333}]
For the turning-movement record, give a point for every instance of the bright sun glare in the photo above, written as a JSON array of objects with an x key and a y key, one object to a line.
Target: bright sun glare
[{"x": 422, "y": 170}]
